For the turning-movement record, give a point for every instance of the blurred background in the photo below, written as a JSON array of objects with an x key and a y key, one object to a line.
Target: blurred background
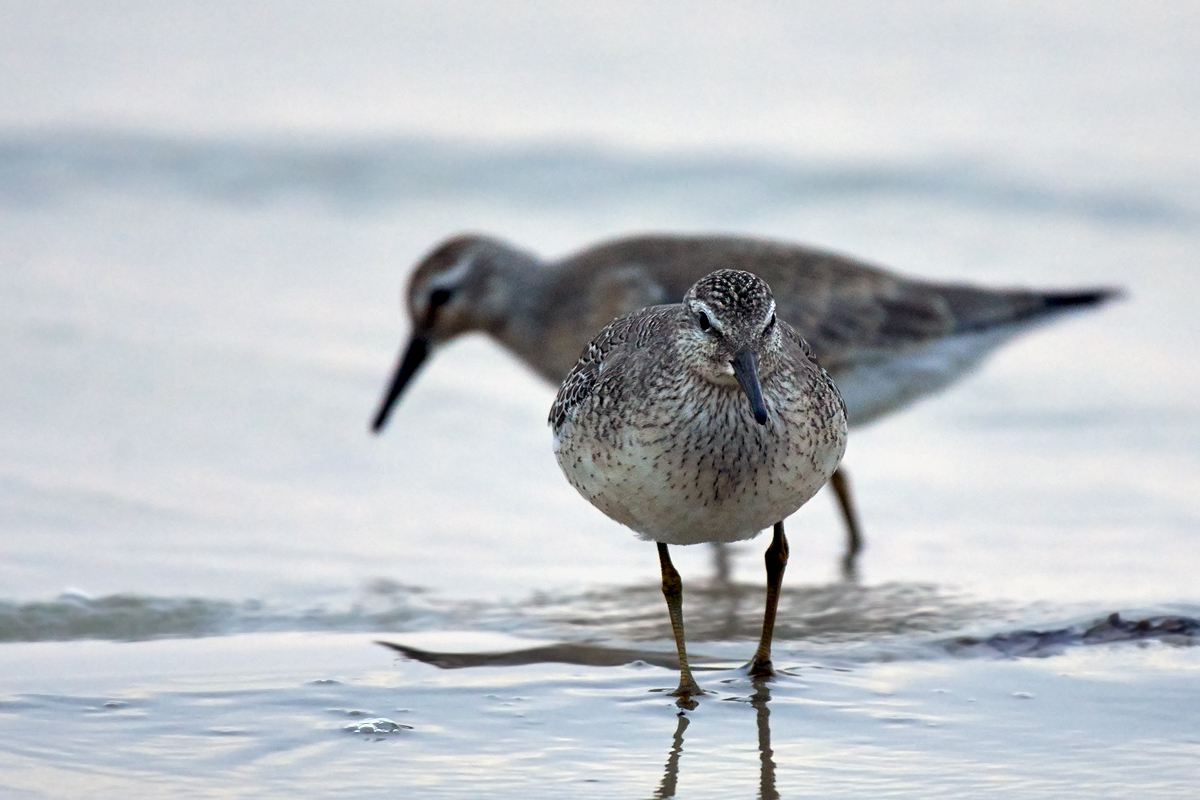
[{"x": 208, "y": 211}]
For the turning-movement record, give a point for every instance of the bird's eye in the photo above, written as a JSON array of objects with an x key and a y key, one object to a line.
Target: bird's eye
[
  {"x": 702, "y": 321},
  {"x": 437, "y": 299}
]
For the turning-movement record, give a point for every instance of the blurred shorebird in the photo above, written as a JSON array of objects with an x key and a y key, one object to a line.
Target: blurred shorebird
[
  {"x": 886, "y": 340},
  {"x": 702, "y": 421}
]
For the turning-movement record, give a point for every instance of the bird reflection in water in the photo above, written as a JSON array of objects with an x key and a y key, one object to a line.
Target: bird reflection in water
[
  {"x": 602, "y": 656},
  {"x": 766, "y": 780},
  {"x": 766, "y": 756},
  {"x": 666, "y": 789}
]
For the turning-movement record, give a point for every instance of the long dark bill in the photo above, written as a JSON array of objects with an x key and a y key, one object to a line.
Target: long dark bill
[
  {"x": 414, "y": 355},
  {"x": 745, "y": 369}
]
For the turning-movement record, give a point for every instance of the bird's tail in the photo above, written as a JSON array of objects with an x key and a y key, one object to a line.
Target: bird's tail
[{"x": 1092, "y": 297}]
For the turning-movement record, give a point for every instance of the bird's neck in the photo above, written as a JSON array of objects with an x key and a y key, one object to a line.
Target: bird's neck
[{"x": 512, "y": 308}]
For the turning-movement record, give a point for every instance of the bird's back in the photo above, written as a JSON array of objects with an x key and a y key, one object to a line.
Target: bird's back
[{"x": 891, "y": 339}]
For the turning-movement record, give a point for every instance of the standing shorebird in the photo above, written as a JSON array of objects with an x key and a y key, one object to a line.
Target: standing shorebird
[
  {"x": 887, "y": 340},
  {"x": 702, "y": 421}
]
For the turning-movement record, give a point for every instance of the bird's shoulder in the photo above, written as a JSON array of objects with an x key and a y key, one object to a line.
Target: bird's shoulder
[
  {"x": 606, "y": 355},
  {"x": 796, "y": 343},
  {"x": 805, "y": 356}
]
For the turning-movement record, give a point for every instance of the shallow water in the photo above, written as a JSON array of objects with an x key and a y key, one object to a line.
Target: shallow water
[
  {"x": 268, "y": 715},
  {"x": 201, "y": 541}
]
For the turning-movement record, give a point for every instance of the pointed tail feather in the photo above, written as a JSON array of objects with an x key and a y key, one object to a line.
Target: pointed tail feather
[
  {"x": 977, "y": 310},
  {"x": 1056, "y": 300}
]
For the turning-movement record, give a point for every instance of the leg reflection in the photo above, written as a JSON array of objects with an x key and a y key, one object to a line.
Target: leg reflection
[
  {"x": 671, "y": 773},
  {"x": 766, "y": 756},
  {"x": 722, "y": 569},
  {"x": 766, "y": 779}
]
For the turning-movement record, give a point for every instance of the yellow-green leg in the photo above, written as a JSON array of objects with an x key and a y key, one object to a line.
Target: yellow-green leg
[
  {"x": 776, "y": 558},
  {"x": 673, "y": 592}
]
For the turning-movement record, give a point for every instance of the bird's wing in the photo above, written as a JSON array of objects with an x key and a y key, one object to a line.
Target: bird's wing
[
  {"x": 902, "y": 315},
  {"x": 794, "y": 339},
  {"x": 605, "y": 352}
]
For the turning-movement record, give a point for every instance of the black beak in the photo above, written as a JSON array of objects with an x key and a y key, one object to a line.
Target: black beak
[
  {"x": 414, "y": 355},
  {"x": 745, "y": 369}
]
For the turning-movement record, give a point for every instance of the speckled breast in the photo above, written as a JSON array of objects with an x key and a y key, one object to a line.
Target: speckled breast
[{"x": 704, "y": 471}]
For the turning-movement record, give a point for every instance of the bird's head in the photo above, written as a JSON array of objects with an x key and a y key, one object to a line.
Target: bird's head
[
  {"x": 732, "y": 332},
  {"x": 457, "y": 288}
]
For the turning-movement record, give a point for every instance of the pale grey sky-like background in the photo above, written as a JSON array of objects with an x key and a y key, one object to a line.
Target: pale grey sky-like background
[
  {"x": 212, "y": 206},
  {"x": 869, "y": 79}
]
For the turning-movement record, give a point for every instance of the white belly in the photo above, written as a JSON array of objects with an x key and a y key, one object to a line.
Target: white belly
[
  {"x": 721, "y": 479},
  {"x": 875, "y": 387}
]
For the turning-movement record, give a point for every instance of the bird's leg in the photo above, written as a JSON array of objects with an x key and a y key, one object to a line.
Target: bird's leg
[
  {"x": 776, "y": 558},
  {"x": 840, "y": 482},
  {"x": 672, "y": 588}
]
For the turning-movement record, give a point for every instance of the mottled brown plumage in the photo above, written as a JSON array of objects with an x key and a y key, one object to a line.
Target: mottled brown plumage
[
  {"x": 653, "y": 410},
  {"x": 702, "y": 421}
]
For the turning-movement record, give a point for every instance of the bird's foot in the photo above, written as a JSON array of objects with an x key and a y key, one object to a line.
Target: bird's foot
[
  {"x": 850, "y": 567},
  {"x": 760, "y": 668},
  {"x": 686, "y": 693}
]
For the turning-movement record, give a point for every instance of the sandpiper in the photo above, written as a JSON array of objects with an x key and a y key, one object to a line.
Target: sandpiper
[
  {"x": 702, "y": 421},
  {"x": 886, "y": 340}
]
